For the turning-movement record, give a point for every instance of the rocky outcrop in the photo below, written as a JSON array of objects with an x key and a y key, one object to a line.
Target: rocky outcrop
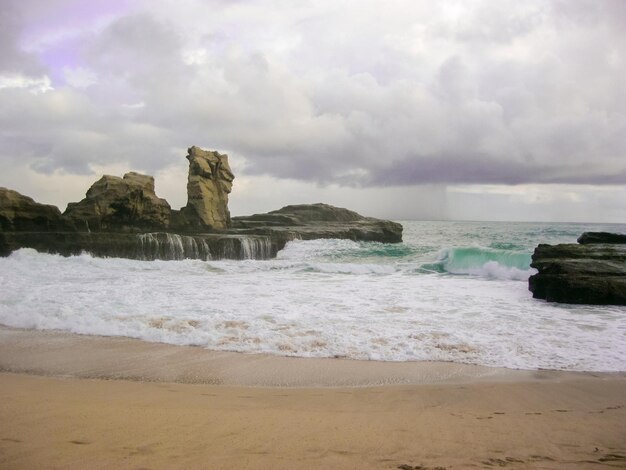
[
  {"x": 121, "y": 204},
  {"x": 19, "y": 213},
  {"x": 601, "y": 237},
  {"x": 310, "y": 221},
  {"x": 123, "y": 217},
  {"x": 589, "y": 273},
  {"x": 209, "y": 182}
]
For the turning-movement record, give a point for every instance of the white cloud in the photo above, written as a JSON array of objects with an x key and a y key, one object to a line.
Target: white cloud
[{"x": 33, "y": 85}]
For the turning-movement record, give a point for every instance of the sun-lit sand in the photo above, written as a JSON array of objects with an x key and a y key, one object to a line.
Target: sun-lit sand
[{"x": 176, "y": 407}]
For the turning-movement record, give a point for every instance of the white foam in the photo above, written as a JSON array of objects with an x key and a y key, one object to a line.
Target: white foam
[
  {"x": 305, "y": 307},
  {"x": 315, "y": 249},
  {"x": 494, "y": 270}
]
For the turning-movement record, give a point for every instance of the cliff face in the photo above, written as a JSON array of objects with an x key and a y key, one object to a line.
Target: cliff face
[
  {"x": 126, "y": 204},
  {"x": 209, "y": 182}
]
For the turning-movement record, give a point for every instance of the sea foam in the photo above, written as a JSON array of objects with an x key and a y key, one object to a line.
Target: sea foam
[{"x": 321, "y": 298}]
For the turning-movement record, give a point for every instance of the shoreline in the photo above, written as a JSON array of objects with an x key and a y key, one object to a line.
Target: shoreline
[
  {"x": 72, "y": 401},
  {"x": 55, "y": 353}
]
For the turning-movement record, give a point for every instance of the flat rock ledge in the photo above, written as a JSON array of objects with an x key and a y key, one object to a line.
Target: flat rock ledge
[
  {"x": 590, "y": 272},
  {"x": 313, "y": 221}
]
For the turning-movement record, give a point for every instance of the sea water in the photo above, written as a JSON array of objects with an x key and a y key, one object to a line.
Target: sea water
[{"x": 452, "y": 291}]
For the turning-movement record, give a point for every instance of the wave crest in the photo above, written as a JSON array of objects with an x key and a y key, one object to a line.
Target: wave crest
[{"x": 483, "y": 262}]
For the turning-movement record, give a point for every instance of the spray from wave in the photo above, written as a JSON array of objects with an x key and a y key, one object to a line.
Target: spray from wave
[{"x": 484, "y": 262}]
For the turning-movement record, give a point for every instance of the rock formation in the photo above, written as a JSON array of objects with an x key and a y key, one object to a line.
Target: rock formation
[
  {"x": 209, "y": 182},
  {"x": 21, "y": 213},
  {"x": 126, "y": 204},
  {"x": 123, "y": 217},
  {"x": 589, "y": 273},
  {"x": 311, "y": 221}
]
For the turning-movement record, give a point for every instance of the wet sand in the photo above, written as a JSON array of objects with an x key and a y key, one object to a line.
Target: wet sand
[{"x": 173, "y": 407}]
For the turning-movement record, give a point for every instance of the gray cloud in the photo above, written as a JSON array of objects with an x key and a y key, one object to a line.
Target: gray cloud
[
  {"x": 358, "y": 95},
  {"x": 12, "y": 58}
]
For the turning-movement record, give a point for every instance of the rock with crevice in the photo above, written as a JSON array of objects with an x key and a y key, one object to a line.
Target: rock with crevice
[
  {"x": 127, "y": 204},
  {"x": 209, "y": 182}
]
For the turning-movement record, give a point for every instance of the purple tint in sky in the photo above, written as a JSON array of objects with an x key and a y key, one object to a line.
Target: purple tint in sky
[{"x": 53, "y": 28}]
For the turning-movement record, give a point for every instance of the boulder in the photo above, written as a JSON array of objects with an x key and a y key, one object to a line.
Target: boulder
[
  {"x": 127, "y": 204},
  {"x": 19, "y": 213},
  {"x": 591, "y": 273},
  {"x": 209, "y": 182}
]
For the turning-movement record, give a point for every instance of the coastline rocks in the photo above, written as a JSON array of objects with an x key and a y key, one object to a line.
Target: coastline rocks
[
  {"x": 123, "y": 217},
  {"x": 589, "y": 273},
  {"x": 125, "y": 204},
  {"x": 310, "y": 221},
  {"x": 601, "y": 237},
  {"x": 209, "y": 182},
  {"x": 19, "y": 213},
  {"x": 142, "y": 246}
]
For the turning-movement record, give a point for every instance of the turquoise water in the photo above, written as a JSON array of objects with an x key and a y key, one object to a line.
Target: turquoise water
[
  {"x": 490, "y": 249},
  {"x": 452, "y": 291}
]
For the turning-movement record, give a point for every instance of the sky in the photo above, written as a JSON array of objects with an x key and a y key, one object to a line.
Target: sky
[{"x": 405, "y": 109}]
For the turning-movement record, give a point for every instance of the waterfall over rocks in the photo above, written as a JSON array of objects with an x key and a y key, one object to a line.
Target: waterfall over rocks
[
  {"x": 171, "y": 246},
  {"x": 256, "y": 247}
]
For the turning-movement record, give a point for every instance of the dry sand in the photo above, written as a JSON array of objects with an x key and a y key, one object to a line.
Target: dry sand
[{"x": 443, "y": 415}]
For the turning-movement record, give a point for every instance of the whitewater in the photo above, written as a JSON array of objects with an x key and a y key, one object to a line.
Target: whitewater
[{"x": 452, "y": 291}]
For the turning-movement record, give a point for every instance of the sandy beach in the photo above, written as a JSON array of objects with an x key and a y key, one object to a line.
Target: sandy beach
[{"x": 69, "y": 401}]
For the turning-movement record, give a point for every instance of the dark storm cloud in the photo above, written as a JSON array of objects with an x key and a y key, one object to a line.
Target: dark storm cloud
[
  {"x": 481, "y": 169},
  {"x": 359, "y": 95}
]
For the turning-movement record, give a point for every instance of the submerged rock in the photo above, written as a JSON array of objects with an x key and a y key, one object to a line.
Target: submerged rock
[
  {"x": 590, "y": 273},
  {"x": 209, "y": 182},
  {"x": 127, "y": 204},
  {"x": 21, "y": 213}
]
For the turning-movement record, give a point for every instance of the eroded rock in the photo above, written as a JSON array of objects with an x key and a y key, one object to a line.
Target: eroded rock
[
  {"x": 209, "y": 182},
  {"x": 19, "y": 213},
  {"x": 128, "y": 204},
  {"x": 138, "y": 224}
]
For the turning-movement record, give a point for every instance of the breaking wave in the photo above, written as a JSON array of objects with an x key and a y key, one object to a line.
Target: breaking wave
[{"x": 484, "y": 262}]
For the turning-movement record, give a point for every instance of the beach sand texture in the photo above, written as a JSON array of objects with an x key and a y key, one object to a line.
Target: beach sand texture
[{"x": 460, "y": 420}]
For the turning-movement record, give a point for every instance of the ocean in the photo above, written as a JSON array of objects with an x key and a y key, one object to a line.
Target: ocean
[{"x": 452, "y": 291}]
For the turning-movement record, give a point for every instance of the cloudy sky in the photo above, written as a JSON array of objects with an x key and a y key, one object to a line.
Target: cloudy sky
[{"x": 483, "y": 110}]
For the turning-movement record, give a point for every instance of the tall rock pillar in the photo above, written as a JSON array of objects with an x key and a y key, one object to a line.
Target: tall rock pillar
[{"x": 209, "y": 182}]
